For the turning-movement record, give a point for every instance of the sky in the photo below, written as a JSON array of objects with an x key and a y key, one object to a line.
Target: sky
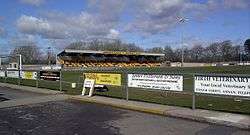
[{"x": 147, "y": 23}]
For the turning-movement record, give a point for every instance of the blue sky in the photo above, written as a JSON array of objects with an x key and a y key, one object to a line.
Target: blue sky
[{"x": 148, "y": 23}]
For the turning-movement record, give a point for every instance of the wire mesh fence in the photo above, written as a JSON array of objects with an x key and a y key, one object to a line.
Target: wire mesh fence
[{"x": 176, "y": 98}]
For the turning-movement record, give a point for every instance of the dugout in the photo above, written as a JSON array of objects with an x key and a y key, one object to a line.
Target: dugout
[{"x": 90, "y": 58}]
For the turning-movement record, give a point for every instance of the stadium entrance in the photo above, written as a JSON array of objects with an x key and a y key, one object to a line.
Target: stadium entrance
[{"x": 88, "y": 58}]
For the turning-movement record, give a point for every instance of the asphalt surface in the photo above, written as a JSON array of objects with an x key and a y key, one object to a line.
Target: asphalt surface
[
  {"x": 79, "y": 118},
  {"x": 75, "y": 118},
  {"x": 10, "y": 94}
]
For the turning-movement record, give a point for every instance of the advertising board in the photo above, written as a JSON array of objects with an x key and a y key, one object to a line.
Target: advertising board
[
  {"x": 50, "y": 75},
  {"x": 28, "y": 75},
  {"x": 13, "y": 74},
  {"x": 222, "y": 85},
  {"x": 88, "y": 83},
  {"x": 152, "y": 81},
  {"x": 105, "y": 78},
  {"x": 2, "y": 73}
]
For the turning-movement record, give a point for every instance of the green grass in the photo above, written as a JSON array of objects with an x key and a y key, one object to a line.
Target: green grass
[
  {"x": 12, "y": 80},
  {"x": 27, "y": 82},
  {"x": 54, "y": 85},
  {"x": 183, "y": 99}
]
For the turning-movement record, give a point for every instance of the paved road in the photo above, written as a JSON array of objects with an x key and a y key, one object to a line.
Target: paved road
[
  {"x": 79, "y": 118},
  {"x": 8, "y": 93},
  {"x": 75, "y": 118}
]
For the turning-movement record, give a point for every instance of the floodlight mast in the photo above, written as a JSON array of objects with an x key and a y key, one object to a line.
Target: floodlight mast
[{"x": 182, "y": 20}]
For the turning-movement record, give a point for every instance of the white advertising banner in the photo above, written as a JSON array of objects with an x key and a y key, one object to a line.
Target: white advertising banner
[
  {"x": 13, "y": 74},
  {"x": 2, "y": 73},
  {"x": 222, "y": 85},
  {"x": 29, "y": 75},
  {"x": 151, "y": 81}
]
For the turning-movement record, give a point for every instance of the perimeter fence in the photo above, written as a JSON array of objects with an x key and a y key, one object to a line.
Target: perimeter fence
[{"x": 223, "y": 90}]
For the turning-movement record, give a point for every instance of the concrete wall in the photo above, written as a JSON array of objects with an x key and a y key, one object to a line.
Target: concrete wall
[{"x": 178, "y": 64}]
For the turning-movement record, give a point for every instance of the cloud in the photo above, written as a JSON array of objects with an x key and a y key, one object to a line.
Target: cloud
[
  {"x": 3, "y": 32},
  {"x": 33, "y": 2},
  {"x": 63, "y": 27},
  {"x": 103, "y": 18},
  {"x": 98, "y": 21},
  {"x": 239, "y": 4},
  {"x": 2, "y": 29},
  {"x": 1, "y": 18},
  {"x": 160, "y": 16},
  {"x": 113, "y": 34},
  {"x": 156, "y": 16},
  {"x": 38, "y": 26},
  {"x": 22, "y": 40}
]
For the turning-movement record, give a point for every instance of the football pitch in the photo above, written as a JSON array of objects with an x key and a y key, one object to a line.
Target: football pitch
[{"x": 184, "y": 99}]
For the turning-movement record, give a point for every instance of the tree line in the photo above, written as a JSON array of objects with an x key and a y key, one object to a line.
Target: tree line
[
  {"x": 224, "y": 51},
  {"x": 216, "y": 52}
]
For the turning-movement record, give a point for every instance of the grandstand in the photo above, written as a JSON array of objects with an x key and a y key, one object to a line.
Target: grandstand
[{"x": 88, "y": 58}]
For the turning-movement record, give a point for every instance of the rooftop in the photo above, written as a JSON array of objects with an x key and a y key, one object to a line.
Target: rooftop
[{"x": 110, "y": 52}]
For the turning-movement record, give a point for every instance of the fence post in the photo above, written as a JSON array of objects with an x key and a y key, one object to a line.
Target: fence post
[
  {"x": 37, "y": 78},
  {"x": 193, "y": 94},
  {"x": 126, "y": 86},
  {"x": 19, "y": 78},
  {"x": 5, "y": 77},
  {"x": 60, "y": 80}
]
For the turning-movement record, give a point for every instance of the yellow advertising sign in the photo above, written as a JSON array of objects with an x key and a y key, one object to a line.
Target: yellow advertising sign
[
  {"x": 28, "y": 75},
  {"x": 104, "y": 78}
]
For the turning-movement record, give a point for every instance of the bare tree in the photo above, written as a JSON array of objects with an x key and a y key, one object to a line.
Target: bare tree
[
  {"x": 169, "y": 53},
  {"x": 226, "y": 50},
  {"x": 212, "y": 53},
  {"x": 197, "y": 53},
  {"x": 102, "y": 45},
  {"x": 156, "y": 50},
  {"x": 30, "y": 54}
]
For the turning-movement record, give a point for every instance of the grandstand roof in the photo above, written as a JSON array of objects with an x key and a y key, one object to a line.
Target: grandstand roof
[{"x": 110, "y": 52}]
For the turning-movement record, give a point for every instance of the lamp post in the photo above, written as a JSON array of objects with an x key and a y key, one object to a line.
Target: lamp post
[{"x": 182, "y": 20}]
